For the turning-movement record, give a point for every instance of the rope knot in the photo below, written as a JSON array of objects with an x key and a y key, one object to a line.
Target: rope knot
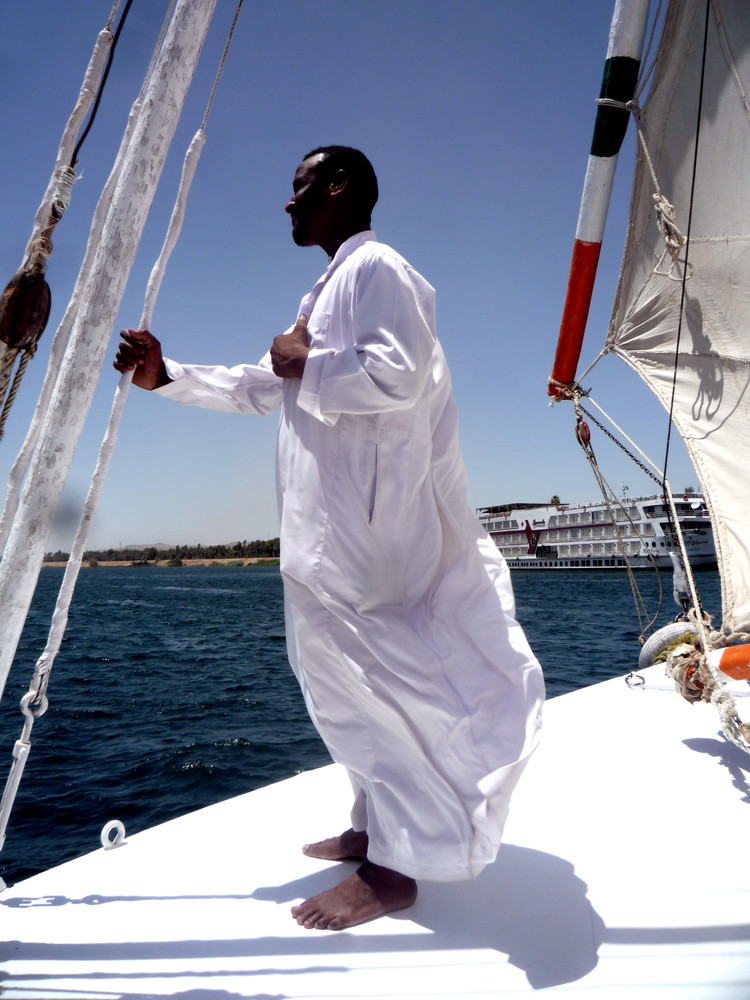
[
  {"x": 684, "y": 667},
  {"x": 665, "y": 220}
]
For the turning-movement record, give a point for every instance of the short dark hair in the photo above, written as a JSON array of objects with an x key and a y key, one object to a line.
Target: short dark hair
[{"x": 364, "y": 183}]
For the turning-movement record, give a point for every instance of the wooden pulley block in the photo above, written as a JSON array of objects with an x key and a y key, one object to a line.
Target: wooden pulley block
[{"x": 24, "y": 308}]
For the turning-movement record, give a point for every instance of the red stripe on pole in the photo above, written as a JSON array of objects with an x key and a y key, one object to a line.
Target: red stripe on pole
[{"x": 577, "y": 301}]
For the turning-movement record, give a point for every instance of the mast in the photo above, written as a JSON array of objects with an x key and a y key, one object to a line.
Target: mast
[
  {"x": 680, "y": 316},
  {"x": 83, "y": 360},
  {"x": 626, "y": 34}
]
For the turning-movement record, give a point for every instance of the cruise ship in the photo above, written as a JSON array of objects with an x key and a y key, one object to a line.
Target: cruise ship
[{"x": 595, "y": 536}]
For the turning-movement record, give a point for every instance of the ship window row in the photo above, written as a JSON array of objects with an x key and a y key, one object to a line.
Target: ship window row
[
  {"x": 659, "y": 510},
  {"x": 573, "y": 534},
  {"x": 625, "y": 530},
  {"x": 631, "y": 548},
  {"x": 594, "y": 517},
  {"x": 602, "y": 516},
  {"x": 571, "y": 563},
  {"x": 599, "y": 516}
]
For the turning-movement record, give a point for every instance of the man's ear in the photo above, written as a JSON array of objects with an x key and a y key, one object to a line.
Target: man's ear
[{"x": 337, "y": 184}]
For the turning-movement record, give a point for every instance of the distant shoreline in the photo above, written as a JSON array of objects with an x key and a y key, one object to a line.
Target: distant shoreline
[{"x": 163, "y": 563}]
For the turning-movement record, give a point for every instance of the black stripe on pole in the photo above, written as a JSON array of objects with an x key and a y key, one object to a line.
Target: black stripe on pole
[{"x": 618, "y": 84}]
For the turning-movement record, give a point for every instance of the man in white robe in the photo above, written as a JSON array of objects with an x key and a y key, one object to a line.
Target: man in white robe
[{"x": 399, "y": 608}]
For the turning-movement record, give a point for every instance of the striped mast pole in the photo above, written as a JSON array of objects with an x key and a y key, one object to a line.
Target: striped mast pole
[{"x": 626, "y": 34}]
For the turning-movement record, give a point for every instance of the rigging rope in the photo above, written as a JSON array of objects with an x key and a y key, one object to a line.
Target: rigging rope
[
  {"x": 583, "y": 437},
  {"x": 60, "y": 340},
  {"x": 671, "y": 508},
  {"x": 646, "y": 68},
  {"x": 105, "y": 74},
  {"x": 658, "y": 480},
  {"x": 220, "y": 70},
  {"x": 664, "y": 210},
  {"x": 25, "y": 302},
  {"x": 16, "y": 385},
  {"x": 685, "y": 273},
  {"x": 35, "y": 702}
]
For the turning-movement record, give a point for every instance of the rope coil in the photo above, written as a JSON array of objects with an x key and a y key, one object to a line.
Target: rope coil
[{"x": 697, "y": 680}]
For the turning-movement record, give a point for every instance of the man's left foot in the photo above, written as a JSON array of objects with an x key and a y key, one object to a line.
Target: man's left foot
[
  {"x": 350, "y": 844},
  {"x": 370, "y": 892}
]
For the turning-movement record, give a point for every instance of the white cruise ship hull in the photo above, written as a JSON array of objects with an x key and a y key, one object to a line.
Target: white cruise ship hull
[{"x": 597, "y": 537}]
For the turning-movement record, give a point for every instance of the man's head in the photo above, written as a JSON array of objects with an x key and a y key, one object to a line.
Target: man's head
[{"x": 335, "y": 189}]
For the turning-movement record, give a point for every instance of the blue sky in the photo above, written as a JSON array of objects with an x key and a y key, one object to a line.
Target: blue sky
[{"x": 477, "y": 116}]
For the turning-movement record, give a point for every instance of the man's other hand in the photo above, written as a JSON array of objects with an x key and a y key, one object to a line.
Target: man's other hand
[
  {"x": 140, "y": 353},
  {"x": 289, "y": 351}
]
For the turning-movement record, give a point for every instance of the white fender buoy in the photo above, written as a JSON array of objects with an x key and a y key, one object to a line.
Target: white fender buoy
[
  {"x": 660, "y": 640},
  {"x": 113, "y": 827}
]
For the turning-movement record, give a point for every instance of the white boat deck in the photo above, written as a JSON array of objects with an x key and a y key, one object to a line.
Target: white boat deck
[{"x": 625, "y": 868}]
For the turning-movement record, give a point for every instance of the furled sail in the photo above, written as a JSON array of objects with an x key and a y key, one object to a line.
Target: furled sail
[{"x": 695, "y": 334}]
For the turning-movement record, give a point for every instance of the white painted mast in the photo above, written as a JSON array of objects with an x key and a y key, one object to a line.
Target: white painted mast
[{"x": 82, "y": 364}]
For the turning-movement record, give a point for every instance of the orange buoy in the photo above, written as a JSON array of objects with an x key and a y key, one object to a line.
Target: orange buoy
[{"x": 734, "y": 661}]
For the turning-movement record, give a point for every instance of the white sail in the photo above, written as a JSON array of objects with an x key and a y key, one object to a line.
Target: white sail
[{"x": 712, "y": 314}]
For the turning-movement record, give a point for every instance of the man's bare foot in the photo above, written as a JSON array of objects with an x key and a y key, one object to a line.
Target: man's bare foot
[
  {"x": 351, "y": 844},
  {"x": 370, "y": 892}
]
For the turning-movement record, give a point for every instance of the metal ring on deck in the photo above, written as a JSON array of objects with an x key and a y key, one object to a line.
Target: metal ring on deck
[
  {"x": 116, "y": 827},
  {"x": 634, "y": 680}
]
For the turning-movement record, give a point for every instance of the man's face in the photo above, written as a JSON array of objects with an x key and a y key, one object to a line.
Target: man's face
[{"x": 307, "y": 205}]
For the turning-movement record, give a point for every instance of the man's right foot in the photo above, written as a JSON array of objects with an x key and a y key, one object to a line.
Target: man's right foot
[
  {"x": 370, "y": 892},
  {"x": 351, "y": 844}
]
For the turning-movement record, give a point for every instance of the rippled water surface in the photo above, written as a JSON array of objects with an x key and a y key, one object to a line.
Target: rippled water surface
[{"x": 172, "y": 691}]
